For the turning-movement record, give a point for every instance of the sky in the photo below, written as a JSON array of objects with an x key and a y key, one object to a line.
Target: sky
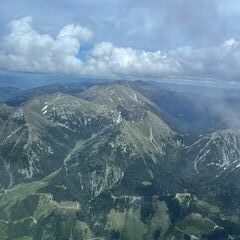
[{"x": 122, "y": 38}]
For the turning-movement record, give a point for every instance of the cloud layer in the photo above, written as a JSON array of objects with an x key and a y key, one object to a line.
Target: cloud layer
[
  {"x": 25, "y": 49},
  {"x": 149, "y": 25}
]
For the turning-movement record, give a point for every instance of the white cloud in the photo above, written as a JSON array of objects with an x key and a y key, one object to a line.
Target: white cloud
[
  {"x": 218, "y": 61},
  {"x": 75, "y": 31},
  {"x": 25, "y": 49},
  {"x": 105, "y": 58}
]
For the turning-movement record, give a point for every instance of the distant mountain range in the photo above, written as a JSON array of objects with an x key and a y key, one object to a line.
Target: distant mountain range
[{"x": 126, "y": 160}]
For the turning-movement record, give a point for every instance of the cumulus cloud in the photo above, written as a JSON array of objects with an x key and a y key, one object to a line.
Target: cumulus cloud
[
  {"x": 221, "y": 61},
  {"x": 25, "y": 49},
  {"x": 106, "y": 58}
]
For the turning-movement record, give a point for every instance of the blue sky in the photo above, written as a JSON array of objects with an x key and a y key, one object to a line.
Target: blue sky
[{"x": 139, "y": 38}]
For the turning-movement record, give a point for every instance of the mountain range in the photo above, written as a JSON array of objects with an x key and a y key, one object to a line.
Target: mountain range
[{"x": 127, "y": 160}]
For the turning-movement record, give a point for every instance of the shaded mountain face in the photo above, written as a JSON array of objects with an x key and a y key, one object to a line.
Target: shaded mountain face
[
  {"x": 121, "y": 160},
  {"x": 194, "y": 113},
  {"x": 8, "y": 92},
  {"x": 215, "y": 162}
]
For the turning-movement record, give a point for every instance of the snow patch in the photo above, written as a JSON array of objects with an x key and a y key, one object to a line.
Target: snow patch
[
  {"x": 119, "y": 118},
  {"x": 44, "y": 109}
]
